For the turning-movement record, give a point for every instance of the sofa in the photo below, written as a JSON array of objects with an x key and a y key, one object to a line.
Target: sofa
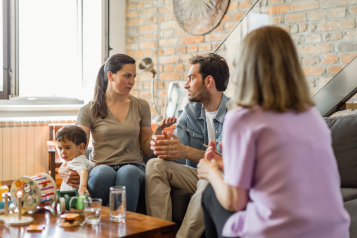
[
  {"x": 344, "y": 143},
  {"x": 179, "y": 199}
]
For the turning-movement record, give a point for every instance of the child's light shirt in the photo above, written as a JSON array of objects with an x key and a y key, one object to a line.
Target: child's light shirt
[{"x": 79, "y": 162}]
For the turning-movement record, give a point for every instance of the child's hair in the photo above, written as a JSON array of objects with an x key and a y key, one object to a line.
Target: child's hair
[{"x": 72, "y": 133}]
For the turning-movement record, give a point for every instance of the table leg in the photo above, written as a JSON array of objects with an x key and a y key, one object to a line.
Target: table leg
[{"x": 53, "y": 165}]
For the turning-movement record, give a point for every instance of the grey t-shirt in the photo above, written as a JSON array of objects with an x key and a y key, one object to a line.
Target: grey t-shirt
[{"x": 117, "y": 142}]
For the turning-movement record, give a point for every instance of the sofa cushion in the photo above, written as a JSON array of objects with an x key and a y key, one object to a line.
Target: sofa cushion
[
  {"x": 351, "y": 207},
  {"x": 344, "y": 143},
  {"x": 349, "y": 194},
  {"x": 179, "y": 200}
]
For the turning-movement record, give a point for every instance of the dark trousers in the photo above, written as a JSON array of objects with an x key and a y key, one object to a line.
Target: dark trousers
[{"x": 215, "y": 215}]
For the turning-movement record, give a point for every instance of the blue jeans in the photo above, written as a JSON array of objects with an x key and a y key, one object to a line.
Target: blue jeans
[{"x": 132, "y": 176}]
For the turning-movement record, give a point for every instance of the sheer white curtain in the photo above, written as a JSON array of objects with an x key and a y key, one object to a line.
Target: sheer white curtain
[
  {"x": 92, "y": 41},
  {"x": 48, "y": 53},
  {"x": 1, "y": 47}
]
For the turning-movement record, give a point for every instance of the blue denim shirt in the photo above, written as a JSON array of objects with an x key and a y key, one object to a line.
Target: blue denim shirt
[{"x": 191, "y": 126}]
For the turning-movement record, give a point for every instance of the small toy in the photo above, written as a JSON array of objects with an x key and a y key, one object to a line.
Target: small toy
[
  {"x": 18, "y": 220},
  {"x": 37, "y": 192},
  {"x": 3, "y": 206},
  {"x": 68, "y": 220},
  {"x": 35, "y": 228},
  {"x": 71, "y": 201}
]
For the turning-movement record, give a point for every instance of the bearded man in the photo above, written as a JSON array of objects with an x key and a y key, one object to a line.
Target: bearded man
[{"x": 200, "y": 122}]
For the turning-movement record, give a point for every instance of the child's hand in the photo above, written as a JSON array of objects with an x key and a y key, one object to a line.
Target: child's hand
[{"x": 82, "y": 191}]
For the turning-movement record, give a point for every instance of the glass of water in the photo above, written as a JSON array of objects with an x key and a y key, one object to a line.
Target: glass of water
[
  {"x": 92, "y": 210},
  {"x": 117, "y": 200}
]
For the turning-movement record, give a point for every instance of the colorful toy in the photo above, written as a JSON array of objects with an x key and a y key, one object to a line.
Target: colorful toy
[
  {"x": 36, "y": 192},
  {"x": 70, "y": 200},
  {"x": 35, "y": 228},
  {"x": 5, "y": 206},
  {"x": 13, "y": 219},
  {"x": 68, "y": 220},
  {"x": 3, "y": 189}
]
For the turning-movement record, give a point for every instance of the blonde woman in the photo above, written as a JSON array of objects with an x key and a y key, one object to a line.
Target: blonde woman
[{"x": 280, "y": 174}]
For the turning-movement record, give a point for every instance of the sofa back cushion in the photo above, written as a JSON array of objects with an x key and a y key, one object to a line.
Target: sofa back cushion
[{"x": 344, "y": 143}]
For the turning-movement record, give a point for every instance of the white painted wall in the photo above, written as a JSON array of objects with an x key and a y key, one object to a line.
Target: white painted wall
[{"x": 117, "y": 26}]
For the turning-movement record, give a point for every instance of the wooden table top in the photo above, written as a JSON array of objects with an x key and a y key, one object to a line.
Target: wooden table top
[{"x": 136, "y": 225}]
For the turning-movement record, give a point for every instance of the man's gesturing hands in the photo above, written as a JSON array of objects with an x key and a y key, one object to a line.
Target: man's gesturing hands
[{"x": 167, "y": 148}]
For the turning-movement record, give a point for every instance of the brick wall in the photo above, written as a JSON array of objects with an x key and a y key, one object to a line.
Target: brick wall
[{"x": 324, "y": 32}]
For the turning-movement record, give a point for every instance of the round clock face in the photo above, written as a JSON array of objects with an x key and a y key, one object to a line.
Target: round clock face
[{"x": 198, "y": 17}]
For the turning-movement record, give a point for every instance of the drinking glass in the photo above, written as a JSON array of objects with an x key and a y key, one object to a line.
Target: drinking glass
[
  {"x": 117, "y": 201},
  {"x": 92, "y": 210}
]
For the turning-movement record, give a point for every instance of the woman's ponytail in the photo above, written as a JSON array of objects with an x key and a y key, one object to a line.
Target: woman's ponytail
[
  {"x": 99, "y": 107},
  {"x": 114, "y": 64}
]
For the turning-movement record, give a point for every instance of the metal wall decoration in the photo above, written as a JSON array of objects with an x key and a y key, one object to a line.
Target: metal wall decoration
[{"x": 199, "y": 17}]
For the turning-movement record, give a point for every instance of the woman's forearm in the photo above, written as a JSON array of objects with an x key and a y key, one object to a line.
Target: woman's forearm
[
  {"x": 231, "y": 198},
  {"x": 146, "y": 148},
  {"x": 216, "y": 180}
]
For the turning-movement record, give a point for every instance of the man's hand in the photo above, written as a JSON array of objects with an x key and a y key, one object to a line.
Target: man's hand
[
  {"x": 167, "y": 122},
  {"x": 206, "y": 168},
  {"x": 212, "y": 155},
  {"x": 167, "y": 148},
  {"x": 71, "y": 178},
  {"x": 82, "y": 190}
]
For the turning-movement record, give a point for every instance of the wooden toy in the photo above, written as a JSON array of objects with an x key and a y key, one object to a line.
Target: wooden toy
[
  {"x": 37, "y": 192},
  {"x": 3, "y": 206},
  {"x": 13, "y": 219},
  {"x": 35, "y": 228},
  {"x": 71, "y": 201},
  {"x": 68, "y": 220}
]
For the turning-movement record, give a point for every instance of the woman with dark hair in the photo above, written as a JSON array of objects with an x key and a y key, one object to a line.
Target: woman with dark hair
[
  {"x": 120, "y": 125},
  {"x": 280, "y": 172}
]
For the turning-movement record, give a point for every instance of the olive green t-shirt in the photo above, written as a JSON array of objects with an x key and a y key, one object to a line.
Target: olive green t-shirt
[{"x": 117, "y": 142}]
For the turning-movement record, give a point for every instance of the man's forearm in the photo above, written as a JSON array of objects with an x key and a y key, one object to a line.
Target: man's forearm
[{"x": 194, "y": 154}]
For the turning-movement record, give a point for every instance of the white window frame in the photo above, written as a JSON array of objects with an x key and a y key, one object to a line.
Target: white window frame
[{"x": 13, "y": 97}]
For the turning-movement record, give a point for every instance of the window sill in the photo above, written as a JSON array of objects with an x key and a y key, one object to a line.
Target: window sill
[
  {"x": 39, "y": 112},
  {"x": 40, "y": 108}
]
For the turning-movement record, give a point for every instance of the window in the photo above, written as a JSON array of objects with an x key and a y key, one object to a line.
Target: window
[
  {"x": 59, "y": 48},
  {"x": 49, "y": 55},
  {"x": 4, "y": 46},
  {"x": 1, "y": 45},
  {"x": 92, "y": 36}
]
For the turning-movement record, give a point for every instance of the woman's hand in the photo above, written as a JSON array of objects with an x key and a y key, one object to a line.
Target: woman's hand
[
  {"x": 207, "y": 168},
  {"x": 71, "y": 178},
  {"x": 167, "y": 122},
  {"x": 212, "y": 155}
]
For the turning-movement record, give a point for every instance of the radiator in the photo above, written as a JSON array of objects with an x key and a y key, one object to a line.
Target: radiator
[{"x": 23, "y": 149}]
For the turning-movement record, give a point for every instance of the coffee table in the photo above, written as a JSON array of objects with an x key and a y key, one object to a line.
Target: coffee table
[{"x": 136, "y": 225}]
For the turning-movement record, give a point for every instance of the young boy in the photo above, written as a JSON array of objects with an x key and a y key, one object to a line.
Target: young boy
[{"x": 71, "y": 142}]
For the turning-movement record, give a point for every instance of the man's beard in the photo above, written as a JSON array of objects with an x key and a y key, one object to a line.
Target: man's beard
[{"x": 201, "y": 95}]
